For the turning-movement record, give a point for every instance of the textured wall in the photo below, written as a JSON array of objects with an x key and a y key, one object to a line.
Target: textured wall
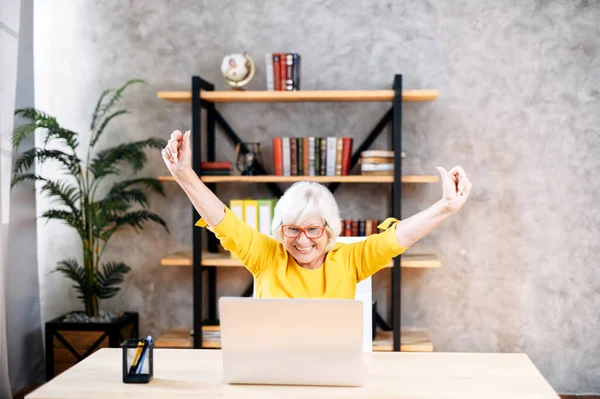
[{"x": 519, "y": 84}]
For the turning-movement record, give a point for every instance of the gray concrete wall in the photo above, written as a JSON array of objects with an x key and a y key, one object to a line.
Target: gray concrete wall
[{"x": 518, "y": 109}]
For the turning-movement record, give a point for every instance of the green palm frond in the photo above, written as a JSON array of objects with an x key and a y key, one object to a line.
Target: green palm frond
[
  {"x": 105, "y": 122},
  {"x": 27, "y": 159},
  {"x": 43, "y": 121},
  {"x": 67, "y": 217},
  {"x": 137, "y": 219},
  {"x": 75, "y": 272},
  {"x": 106, "y": 162},
  {"x": 97, "y": 110},
  {"x": 67, "y": 194},
  {"x": 102, "y": 109},
  {"x": 151, "y": 184},
  {"x": 25, "y": 177},
  {"x": 22, "y": 132},
  {"x": 112, "y": 275}
]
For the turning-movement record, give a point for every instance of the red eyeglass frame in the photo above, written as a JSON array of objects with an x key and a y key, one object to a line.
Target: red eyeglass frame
[{"x": 302, "y": 230}]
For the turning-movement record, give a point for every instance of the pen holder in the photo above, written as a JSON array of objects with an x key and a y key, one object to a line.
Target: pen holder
[{"x": 138, "y": 360}]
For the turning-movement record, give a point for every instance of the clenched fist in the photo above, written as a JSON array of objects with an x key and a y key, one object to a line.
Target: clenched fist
[
  {"x": 178, "y": 153},
  {"x": 456, "y": 187}
]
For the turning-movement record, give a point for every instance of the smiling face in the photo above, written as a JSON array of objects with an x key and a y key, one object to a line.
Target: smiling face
[{"x": 309, "y": 252}]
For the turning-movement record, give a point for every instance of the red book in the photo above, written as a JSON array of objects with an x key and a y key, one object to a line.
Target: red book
[
  {"x": 276, "y": 71},
  {"x": 347, "y": 228},
  {"x": 346, "y": 155},
  {"x": 216, "y": 165},
  {"x": 277, "y": 156},
  {"x": 282, "y": 71}
]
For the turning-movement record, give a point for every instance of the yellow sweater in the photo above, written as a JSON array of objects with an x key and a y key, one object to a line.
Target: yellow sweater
[{"x": 277, "y": 275}]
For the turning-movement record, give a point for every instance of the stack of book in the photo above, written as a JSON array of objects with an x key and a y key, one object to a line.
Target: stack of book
[
  {"x": 312, "y": 156},
  {"x": 283, "y": 71},
  {"x": 377, "y": 162},
  {"x": 222, "y": 168},
  {"x": 359, "y": 228}
]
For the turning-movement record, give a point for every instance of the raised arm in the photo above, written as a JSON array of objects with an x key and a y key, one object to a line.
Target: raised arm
[
  {"x": 456, "y": 189},
  {"x": 178, "y": 158}
]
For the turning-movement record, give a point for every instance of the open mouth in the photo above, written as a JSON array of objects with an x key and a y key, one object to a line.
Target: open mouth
[{"x": 303, "y": 250}]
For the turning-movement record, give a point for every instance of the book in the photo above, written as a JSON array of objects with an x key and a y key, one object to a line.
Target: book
[
  {"x": 215, "y": 165},
  {"x": 289, "y": 76},
  {"x": 276, "y": 72},
  {"x": 346, "y": 155},
  {"x": 376, "y": 167},
  {"x": 269, "y": 71},
  {"x": 278, "y": 156},
  {"x": 266, "y": 209},
  {"x": 287, "y": 168},
  {"x": 251, "y": 213}
]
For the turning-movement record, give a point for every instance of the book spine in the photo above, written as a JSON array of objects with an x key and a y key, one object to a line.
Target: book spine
[
  {"x": 347, "y": 228},
  {"x": 296, "y": 71},
  {"x": 312, "y": 166},
  {"x": 294, "y": 156},
  {"x": 289, "y": 76},
  {"x": 323, "y": 156},
  {"x": 216, "y": 165},
  {"x": 368, "y": 227},
  {"x": 287, "y": 164},
  {"x": 282, "y": 71},
  {"x": 346, "y": 156},
  {"x": 276, "y": 71},
  {"x": 331, "y": 155},
  {"x": 338, "y": 156},
  {"x": 306, "y": 156},
  {"x": 269, "y": 71},
  {"x": 278, "y": 156},
  {"x": 300, "y": 157},
  {"x": 361, "y": 228},
  {"x": 376, "y": 167}
]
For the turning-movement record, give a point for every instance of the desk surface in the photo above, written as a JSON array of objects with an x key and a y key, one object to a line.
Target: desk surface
[{"x": 189, "y": 373}]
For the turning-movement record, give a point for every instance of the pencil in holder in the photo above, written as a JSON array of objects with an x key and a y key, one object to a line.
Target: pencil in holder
[{"x": 138, "y": 360}]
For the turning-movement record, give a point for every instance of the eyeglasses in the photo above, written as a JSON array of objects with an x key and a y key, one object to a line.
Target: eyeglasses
[{"x": 292, "y": 231}]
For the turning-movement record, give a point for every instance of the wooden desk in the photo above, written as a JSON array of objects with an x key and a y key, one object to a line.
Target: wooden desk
[{"x": 189, "y": 373}]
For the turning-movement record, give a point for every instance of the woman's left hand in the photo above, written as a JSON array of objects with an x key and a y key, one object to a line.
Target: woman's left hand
[{"x": 456, "y": 187}]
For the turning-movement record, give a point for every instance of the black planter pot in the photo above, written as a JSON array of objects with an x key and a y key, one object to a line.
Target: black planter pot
[{"x": 67, "y": 343}]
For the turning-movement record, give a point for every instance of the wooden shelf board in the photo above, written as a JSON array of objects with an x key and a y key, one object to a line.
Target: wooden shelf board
[
  {"x": 235, "y": 96},
  {"x": 320, "y": 179},
  {"x": 223, "y": 259},
  {"x": 180, "y": 338},
  {"x": 410, "y": 341}
]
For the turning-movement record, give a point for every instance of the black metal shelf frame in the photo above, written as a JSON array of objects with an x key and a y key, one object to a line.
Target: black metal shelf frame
[{"x": 213, "y": 117}]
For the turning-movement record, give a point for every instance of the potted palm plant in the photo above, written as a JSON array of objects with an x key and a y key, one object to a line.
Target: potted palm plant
[{"x": 95, "y": 218}]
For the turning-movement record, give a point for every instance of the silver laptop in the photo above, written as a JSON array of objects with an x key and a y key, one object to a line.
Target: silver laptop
[{"x": 292, "y": 341}]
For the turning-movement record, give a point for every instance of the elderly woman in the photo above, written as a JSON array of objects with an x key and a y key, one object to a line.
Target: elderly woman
[{"x": 303, "y": 259}]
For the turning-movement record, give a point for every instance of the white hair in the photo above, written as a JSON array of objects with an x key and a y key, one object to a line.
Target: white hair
[{"x": 303, "y": 200}]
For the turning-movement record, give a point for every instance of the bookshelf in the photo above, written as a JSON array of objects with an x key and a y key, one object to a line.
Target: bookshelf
[{"x": 203, "y": 96}]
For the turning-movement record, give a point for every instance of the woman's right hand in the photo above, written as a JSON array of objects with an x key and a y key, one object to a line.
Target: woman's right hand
[{"x": 178, "y": 154}]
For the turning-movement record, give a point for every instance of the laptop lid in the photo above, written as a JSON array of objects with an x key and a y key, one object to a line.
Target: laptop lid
[{"x": 292, "y": 341}]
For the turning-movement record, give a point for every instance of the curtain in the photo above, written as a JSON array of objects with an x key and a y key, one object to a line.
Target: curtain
[{"x": 9, "y": 44}]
